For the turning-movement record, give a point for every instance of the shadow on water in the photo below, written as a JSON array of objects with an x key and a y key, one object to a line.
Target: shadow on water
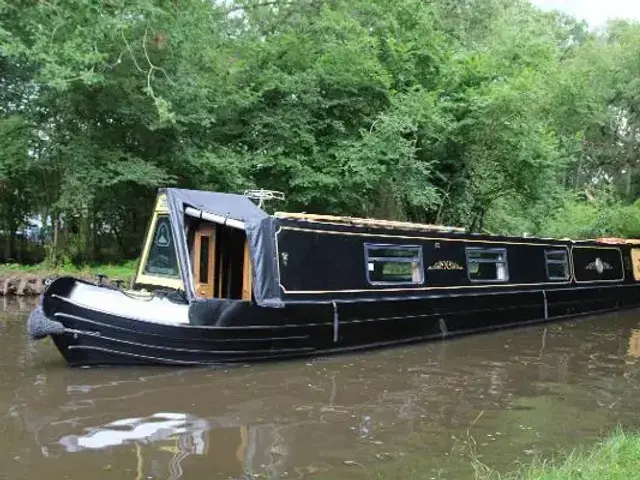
[{"x": 413, "y": 412}]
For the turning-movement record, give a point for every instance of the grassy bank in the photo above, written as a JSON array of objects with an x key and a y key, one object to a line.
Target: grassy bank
[
  {"x": 616, "y": 458},
  {"x": 124, "y": 271}
]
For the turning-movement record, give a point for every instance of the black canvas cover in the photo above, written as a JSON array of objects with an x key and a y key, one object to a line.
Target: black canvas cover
[{"x": 259, "y": 227}]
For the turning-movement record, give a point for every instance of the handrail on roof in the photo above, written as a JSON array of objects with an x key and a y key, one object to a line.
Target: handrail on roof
[{"x": 367, "y": 222}]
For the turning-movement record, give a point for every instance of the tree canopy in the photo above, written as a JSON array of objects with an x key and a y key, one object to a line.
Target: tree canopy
[{"x": 488, "y": 114}]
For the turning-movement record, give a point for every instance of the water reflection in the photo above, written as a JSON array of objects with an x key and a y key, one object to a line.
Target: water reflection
[
  {"x": 420, "y": 409},
  {"x": 634, "y": 343},
  {"x": 159, "y": 427},
  {"x": 16, "y": 305}
]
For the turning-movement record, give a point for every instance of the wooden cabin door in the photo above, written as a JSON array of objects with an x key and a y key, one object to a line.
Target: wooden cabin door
[
  {"x": 204, "y": 261},
  {"x": 246, "y": 272}
]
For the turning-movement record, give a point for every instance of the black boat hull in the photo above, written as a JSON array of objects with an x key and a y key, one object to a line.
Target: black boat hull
[{"x": 88, "y": 336}]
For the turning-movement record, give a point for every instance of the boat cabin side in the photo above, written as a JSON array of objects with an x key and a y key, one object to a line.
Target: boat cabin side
[
  {"x": 219, "y": 263},
  {"x": 323, "y": 261}
]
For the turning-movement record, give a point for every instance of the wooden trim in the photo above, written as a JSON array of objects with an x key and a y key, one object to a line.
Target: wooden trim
[
  {"x": 161, "y": 204},
  {"x": 618, "y": 241},
  {"x": 246, "y": 272},
  {"x": 204, "y": 290},
  {"x": 147, "y": 246},
  {"x": 159, "y": 281},
  {"x": 220, "y": 266},
  {"x": 635, "y": 263}
]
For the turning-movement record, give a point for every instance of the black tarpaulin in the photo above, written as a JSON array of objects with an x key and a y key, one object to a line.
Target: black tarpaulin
[{"x": 259, "y": 228}]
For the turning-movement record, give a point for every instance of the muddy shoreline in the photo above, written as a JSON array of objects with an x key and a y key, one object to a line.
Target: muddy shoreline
[
  {"x": 29, "y": 284},
  {"x": 22, "y": 285}
]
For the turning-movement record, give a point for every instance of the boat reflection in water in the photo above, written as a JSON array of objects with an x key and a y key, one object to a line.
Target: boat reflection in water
[
  {"x": 177, "y": 433},
  {"x": 177, "y": 436},
  {"x": 158, "y": 427},
  {"x": 97, "y": 417}
]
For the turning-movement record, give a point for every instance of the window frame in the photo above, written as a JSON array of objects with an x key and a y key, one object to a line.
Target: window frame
[
  {"x": 161, "y": 217},
  {"x": 501, "y": 250},
  {"x": 368, "y": 247},
  {"x": 547, "y": 261},
  {"x": 152, "y": 280}
]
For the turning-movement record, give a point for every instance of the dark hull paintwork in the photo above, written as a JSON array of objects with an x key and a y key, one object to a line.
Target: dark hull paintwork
[{"x": 303, "y": 330}]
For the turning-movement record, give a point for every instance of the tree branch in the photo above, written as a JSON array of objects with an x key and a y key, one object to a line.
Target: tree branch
[
  {"x": 135, "y": 62},
  {"x": 152, "y": 67}
]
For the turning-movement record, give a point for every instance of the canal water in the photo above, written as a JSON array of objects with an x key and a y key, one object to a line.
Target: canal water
[{"x": 423, "y": 411}]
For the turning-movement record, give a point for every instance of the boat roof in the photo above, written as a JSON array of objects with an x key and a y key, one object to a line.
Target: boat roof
[
  {"x": 367, "y": 222},
  {"x": 228, "y": 205}
]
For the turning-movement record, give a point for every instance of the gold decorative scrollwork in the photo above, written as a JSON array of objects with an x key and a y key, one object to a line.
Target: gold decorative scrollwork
[{"x": 445, "y": 265}]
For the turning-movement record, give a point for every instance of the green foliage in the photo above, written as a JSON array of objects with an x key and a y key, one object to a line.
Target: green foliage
[
  {"x": 123, "y": 271},
  {"x": 484, "y": 113},
  {"x": 615, "y": 458}
]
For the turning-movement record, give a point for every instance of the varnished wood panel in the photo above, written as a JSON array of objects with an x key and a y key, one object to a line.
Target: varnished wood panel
[
  {"x": 246, "y": 273},
  {"x": 204, "y": 290}
]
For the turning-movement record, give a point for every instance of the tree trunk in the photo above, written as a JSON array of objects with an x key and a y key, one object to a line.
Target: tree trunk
[
  {"x": 55, "y": 220},
  {"x": 7, "y": 246}
]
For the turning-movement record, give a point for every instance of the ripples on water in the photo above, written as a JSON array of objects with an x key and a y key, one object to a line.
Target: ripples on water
[{"x": 415, "y": 412}]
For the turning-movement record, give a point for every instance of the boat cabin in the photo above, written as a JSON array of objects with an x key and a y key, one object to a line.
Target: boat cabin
[
  {"x": 218, "y": 255},
  {"x": 223, "y": 246}
]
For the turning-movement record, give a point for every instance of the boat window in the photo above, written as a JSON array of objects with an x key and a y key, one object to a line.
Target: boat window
[
  {"x": 557, "y": 264},
  {"x": 391, "y": 264},
  {"x": 487, "y": 264},
  {"x": 162, "y": 260},
  {"x": 204, "y": 259}
]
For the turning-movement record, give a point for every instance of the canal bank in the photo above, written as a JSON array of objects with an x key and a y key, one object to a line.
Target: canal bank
[
  {"x": 30, "y": 280},
  {"x": 615, "y": 457}
]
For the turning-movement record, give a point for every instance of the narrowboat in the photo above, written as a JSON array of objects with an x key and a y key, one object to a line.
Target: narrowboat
[{"x": 220, "y": 281}]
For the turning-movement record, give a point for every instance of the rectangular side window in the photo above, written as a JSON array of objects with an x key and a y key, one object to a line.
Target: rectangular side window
[
  {"x": 557, "y": 264},
  {"x": 394, "y": 264},
  {"x": 487, "y": 264}
]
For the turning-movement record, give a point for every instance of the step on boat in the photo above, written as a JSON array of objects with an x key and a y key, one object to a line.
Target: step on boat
[{"x": 220, "y": 281}]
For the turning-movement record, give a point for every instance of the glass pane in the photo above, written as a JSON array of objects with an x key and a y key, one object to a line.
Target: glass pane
[
  {"x": 162, "y": 259},
  {"x": 407, "y": 252},
  {"x": 557, "y": 270},
  {"x": 496, "y": 256},
  {"x": 487, "y": 265},
  {"x": 558, "y": 256},
  {"x": 487, "y": 271},
  {"x": 204, "y": 259},
  {"x": 396, "y": 272}
]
